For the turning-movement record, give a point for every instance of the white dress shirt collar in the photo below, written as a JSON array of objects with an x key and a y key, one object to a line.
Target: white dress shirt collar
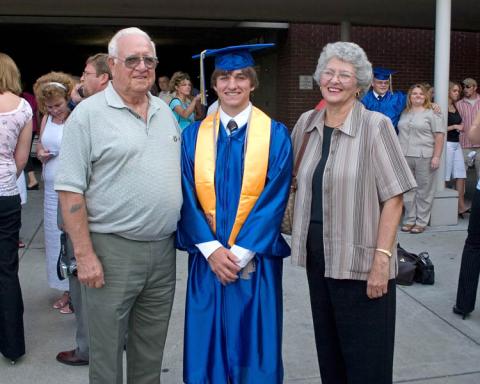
[{"x": 241, "y": 119}]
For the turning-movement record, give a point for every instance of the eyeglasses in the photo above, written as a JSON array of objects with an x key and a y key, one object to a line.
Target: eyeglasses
[
  {"x": 133, "y": 62},
  {"x": 467, "y": 86},
  {"x": 85, "y": 73},
  {"x": 343, "y": 77}
]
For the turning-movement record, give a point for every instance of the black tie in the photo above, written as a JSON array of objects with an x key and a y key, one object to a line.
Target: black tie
[
  {"x": 380, "y": 98},
  {"x": 232, "y": 126}
]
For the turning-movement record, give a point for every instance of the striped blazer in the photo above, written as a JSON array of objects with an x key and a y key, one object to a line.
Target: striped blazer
[{"x": 365, "y": 167}]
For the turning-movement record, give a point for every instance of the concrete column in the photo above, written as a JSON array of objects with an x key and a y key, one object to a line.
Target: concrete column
[
  {"x": 444, "y": 209},
  {"x": 442, "y": 68},
  {"x": 345, "y": 31}
]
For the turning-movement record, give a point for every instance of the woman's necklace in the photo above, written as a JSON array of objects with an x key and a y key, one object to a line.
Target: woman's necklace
[
  {"x": 60, "y": 120},
  {"x": 334, "y": 123},
  {"x": 183, "y": 99},
  {"x": 339, "y": 120}
]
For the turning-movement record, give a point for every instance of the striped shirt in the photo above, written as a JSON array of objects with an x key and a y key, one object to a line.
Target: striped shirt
[
  {"x": 365, "y": 167},
  {"x": 468, "y": 113}
]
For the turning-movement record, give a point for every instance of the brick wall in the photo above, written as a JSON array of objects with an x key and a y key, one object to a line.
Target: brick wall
[{"x": 409, "y": 51}]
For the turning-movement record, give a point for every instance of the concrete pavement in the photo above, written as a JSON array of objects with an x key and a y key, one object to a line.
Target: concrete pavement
[{"x": 433, "y": 346}]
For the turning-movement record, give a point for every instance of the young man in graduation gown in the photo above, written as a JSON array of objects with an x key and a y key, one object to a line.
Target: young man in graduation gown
[
  {"x": 236, "y": 171},
  {"x": 381, "y": 98}
]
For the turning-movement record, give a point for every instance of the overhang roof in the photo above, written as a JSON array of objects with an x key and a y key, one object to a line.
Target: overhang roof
[{"x": 401, "y": 13}]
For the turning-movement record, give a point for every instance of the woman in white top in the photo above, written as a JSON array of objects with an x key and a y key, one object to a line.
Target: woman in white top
[
  {"x": 421, "y": 133},
  {"x": 53, "y": 93},
  {"x": 15, "y": 136}
]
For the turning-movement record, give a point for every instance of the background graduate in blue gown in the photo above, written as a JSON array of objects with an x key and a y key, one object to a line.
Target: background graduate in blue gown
[
  {"x": 381, "y": 97},
  {"x": 233, "y": 320}
]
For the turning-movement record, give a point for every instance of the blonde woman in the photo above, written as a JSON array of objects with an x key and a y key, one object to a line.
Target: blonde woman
[
  {"x": 421, "y": 136},
  {"x": 53, "y": 94},
  {"x": 183, "y": 104}
]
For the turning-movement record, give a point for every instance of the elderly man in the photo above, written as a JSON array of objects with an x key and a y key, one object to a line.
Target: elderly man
[
  {"x": 235, "y": 190},
  {"x": 381, "y": 98},
  {"x": 468, "y": 107},
  {"x": 120, "y": 209},
  {"x": 95, "y": 78}
]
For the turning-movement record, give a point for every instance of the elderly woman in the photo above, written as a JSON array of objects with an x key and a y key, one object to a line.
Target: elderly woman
[
  {"x": 53, "y": 94},
  {"x": 15, "y": 135},
  {"x": 421, "y": 136},
  {"x": 470, "y": 267},
  {"x": 347, "y": 208}
]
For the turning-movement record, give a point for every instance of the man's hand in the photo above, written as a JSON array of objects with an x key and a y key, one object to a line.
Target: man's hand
[
  {"x": 224, "y": 264},
  {"x": 75, "y": 94},
  {"x": 377, "y": 282},
  {"x": 90, "y": 271}
]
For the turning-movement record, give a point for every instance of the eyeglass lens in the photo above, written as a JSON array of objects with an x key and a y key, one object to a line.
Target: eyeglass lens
[{"x": 133, "y": 61}]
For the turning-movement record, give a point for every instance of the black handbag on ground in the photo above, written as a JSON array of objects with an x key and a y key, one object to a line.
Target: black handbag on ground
[
  {"x": 413, "y": 267},
  {"x": 407, "y": 266},
  {"x": 425, "y": 272}
]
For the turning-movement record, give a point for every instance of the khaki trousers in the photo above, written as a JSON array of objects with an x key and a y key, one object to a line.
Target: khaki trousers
[
  {"x": 418, "y": 201},
  {"x": 137, "y": 297}
]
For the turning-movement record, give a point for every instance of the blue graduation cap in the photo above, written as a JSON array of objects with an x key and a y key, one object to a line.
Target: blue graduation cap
[
  {"x": 229, "y": 59},
  {"x": 380, "y": 73},
  {"x": 234, "y": 57}
]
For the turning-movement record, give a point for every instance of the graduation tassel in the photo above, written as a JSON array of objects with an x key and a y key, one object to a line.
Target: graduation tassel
[{"x": 203, "y": 95}]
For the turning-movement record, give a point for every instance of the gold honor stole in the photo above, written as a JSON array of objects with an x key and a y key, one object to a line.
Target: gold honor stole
[{"x": 254, "y": 170}]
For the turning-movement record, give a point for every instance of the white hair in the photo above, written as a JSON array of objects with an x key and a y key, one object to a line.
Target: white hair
[
  {"x": 350, "y": 53},
  {"x": 113, "y": 44}
]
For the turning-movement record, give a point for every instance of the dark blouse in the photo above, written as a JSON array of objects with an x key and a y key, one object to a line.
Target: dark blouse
[
  {"x": 453, "y": 119},
  {"x": 317, "y": 181}
]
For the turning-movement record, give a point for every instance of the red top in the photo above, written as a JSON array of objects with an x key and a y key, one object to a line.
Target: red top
[
  {"x": 321, "y": 105},
  {"x": 33, "y": 103}
]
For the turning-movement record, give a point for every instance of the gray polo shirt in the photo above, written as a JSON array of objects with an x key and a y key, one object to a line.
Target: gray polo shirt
[{"x": 128, "y": 170}]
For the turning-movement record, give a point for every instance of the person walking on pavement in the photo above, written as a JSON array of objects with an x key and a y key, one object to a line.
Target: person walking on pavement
[{"x": 95, "y": 78}]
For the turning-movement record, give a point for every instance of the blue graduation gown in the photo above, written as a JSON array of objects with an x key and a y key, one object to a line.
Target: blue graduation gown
[
  {"x": 234, "y": 332},
  {"x": 391, "y": 105}
]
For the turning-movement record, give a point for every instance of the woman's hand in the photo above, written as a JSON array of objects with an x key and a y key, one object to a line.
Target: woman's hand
[
  {"x": 43, "y": 155},
  {"x": 197, "y": 98},
  {"x": 459, "y": 127},
  {"x": 377, "y": 283},
  {"x": 435, "y": 163}
]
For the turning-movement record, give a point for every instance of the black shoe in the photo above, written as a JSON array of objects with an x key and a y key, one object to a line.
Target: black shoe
[
  {"x": 34, "y": 187},
  {"x": 458, "y": 311}
]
